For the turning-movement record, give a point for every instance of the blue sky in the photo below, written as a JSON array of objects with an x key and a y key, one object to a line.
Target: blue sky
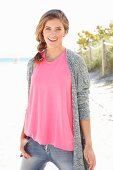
[{"x": 19, "y": 19}]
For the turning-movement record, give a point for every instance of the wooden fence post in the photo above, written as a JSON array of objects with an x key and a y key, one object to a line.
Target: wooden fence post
[
  {"x": 103, "y": 57},
  {"x": 90, "y": 55}
]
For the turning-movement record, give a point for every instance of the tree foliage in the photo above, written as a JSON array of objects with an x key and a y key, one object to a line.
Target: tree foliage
[{"x": 85, "y": 37}]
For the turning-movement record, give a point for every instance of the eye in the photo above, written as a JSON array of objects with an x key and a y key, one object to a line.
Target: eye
[
  {"x": 47, "y": 28},
  {"x": 58, "y": 28}
]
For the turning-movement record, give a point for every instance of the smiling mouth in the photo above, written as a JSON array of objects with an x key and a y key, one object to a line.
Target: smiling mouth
[{"x": 52, "y": 39}]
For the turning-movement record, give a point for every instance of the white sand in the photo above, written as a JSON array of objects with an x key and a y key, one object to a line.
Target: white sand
[{"x": 13, "y": 101}]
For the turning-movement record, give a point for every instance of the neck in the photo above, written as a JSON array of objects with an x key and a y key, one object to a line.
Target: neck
[{"x": 52, "y": 53}]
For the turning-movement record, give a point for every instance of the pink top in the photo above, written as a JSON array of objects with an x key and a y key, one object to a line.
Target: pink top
[{"x": 49, "y": 113}]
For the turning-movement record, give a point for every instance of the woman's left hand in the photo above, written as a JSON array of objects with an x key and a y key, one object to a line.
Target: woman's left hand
[{"x": 90, "y": 157}]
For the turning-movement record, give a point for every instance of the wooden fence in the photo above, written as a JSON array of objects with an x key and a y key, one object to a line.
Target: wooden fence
[{"x": 90, "y": 48}]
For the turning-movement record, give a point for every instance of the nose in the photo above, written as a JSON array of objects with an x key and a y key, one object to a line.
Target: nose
[{"x": 53, "y": 33}]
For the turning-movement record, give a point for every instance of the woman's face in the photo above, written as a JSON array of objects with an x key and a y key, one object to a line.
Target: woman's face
[{"x": 53, "y": 33}]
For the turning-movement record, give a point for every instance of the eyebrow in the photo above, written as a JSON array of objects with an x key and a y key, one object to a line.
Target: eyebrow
[{"x": 56, "y": 27}]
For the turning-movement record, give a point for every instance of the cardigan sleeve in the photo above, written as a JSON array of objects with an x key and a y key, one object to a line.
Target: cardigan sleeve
[
  {"x": 83, "y": 84},
  {"x": 29, "y": 73}
]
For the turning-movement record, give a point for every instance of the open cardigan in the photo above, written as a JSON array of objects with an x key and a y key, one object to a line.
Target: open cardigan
[{"x": 80, "y": 102}]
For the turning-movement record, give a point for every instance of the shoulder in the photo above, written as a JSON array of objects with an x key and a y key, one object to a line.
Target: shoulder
[
  {"x": 74, "y": 57},
  {"x": 29, "y": 68},
  {"x": 30, "y": 62}
]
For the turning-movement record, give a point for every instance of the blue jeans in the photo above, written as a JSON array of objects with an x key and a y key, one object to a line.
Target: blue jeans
[{"x": 41, "y": 154}]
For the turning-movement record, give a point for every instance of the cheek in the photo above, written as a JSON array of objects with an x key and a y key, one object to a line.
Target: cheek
[{"x": 61, "y": 36}]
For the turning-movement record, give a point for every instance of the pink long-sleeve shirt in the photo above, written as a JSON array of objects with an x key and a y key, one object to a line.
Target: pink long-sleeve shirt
[{"x": 49, "y": 113}]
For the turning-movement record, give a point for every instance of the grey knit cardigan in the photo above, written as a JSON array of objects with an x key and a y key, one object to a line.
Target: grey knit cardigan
[{"x": 80, "y": 102}]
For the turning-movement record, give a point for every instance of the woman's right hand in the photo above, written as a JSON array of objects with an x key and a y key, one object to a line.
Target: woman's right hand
[{"x": 23, "y": 142}]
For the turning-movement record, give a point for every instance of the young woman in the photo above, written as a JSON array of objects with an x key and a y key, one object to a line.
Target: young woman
[{"x": 57, "y": 121}]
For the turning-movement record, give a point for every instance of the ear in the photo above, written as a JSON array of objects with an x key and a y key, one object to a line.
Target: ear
[{"x": 65, "y": 33}]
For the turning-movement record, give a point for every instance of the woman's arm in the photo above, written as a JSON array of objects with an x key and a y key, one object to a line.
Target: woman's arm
[
  {"x": 23, "y": 135},
  {"x": 88, "y": 150},
  {"x": 83, "y": 84},
  {"x": 23, "y": 139},
  {"x": 86, "y": 129}
]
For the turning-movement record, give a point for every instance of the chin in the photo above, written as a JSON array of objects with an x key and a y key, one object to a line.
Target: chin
[{"x": 52, "y": 45}]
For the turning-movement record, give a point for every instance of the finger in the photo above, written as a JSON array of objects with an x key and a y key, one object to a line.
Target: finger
[
  {"x": 93, "y": 162},
  {"x": 26, "y": 155},
  {"x": 87, "y": 159},
  {"x": 92, "y": 165},
  {"x": 92, "y": 168}
]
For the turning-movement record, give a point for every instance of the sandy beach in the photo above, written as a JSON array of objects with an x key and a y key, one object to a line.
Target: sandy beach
[{"x": 13, "y": 102}]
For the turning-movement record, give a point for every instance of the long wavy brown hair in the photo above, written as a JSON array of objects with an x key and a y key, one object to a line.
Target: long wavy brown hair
[{"x": 49, "y": 15}]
